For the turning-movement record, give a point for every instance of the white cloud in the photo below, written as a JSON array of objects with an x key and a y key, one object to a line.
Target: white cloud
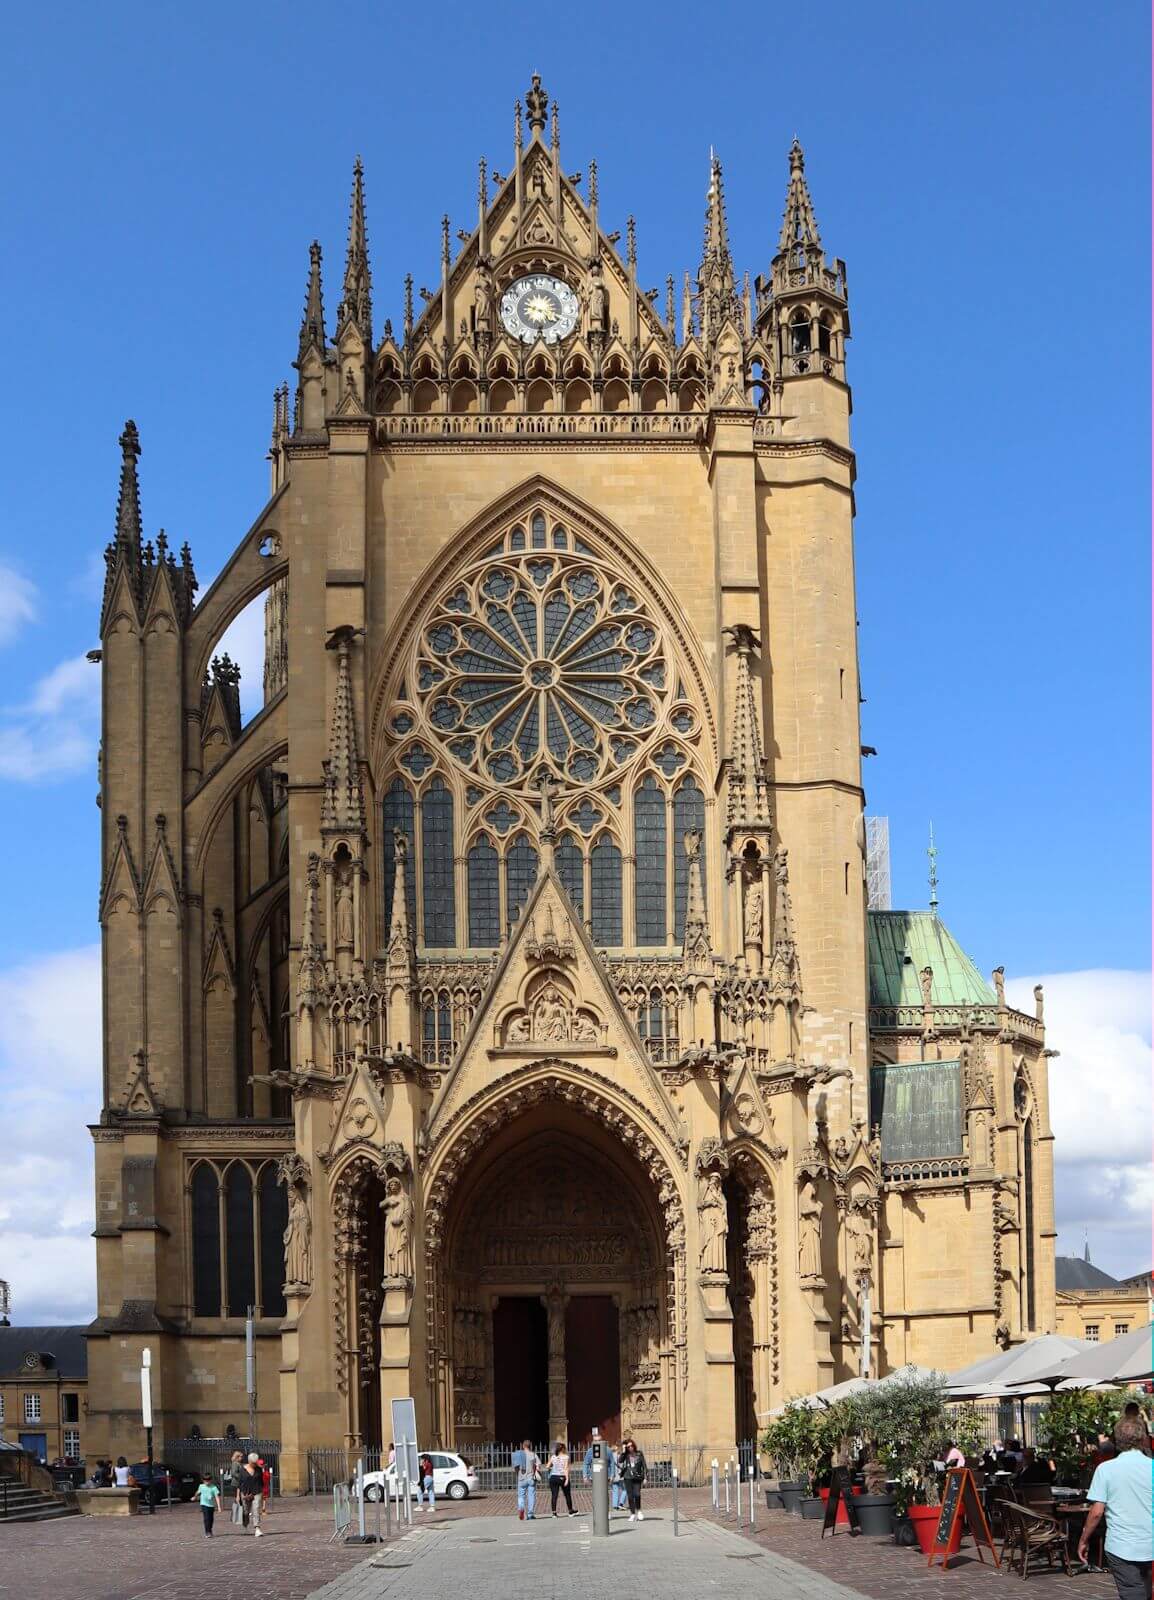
[
  {"x": 56, "y": 732},
  {"x": 50, "y": 1089},
  {"x": 1100, "y": 1109},
  {"x": 17, "y": 602}
]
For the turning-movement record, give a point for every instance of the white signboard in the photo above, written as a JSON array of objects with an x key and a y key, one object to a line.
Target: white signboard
[{"x": 404, "y": 1414}]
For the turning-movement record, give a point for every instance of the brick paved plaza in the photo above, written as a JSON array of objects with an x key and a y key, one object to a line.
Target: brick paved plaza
[{"x": 479, "y": 1550}]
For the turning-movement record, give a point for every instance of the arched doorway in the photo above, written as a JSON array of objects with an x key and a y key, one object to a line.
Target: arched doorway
[{"x": 556, "y": 1288}]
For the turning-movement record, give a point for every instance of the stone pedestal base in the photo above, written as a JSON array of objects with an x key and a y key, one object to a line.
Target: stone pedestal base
[{"x": 108, "y": 1502}]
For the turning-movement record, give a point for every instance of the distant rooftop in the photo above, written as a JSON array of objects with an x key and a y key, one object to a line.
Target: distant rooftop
[
  {"x": 1073, "y": 1273},
  {"x": 66, "y": 1346},
  {"x": 901, "y": 943}
]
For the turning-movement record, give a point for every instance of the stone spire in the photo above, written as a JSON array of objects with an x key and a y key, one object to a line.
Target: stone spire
[
  {"x": 343, "y": 804},
  {"x": 313, "y": 321},
  {"x": 695, "y": 947},
  {"x": 798, "y": 225},
  {"x": 125, "y": 553},
  {"x": 748, "y": 787},
  {"x": 357, "y": 302},
  {"x": 715, "y": 278},
  {"x": 401, "y": 952}
]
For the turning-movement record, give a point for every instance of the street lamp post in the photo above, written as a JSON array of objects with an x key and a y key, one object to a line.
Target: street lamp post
[{"x": 146, "y": 1415}]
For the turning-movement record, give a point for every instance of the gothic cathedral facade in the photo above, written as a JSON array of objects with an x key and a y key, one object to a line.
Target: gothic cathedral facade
[{"x": 497, "y": 1014}]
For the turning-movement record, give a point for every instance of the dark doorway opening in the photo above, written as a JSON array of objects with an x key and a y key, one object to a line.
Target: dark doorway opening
[
  {"x": 741, "y": 1304},
  {"x": 370, "y": 1297},
  {"x": 592, "y": 1368},
  {"x": 520, "y": 1368}
]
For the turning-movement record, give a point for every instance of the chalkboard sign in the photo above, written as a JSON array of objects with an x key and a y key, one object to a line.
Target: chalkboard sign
[
  {"x": 961, "y": 1510},
  {"x": 840, "y": 1491}
]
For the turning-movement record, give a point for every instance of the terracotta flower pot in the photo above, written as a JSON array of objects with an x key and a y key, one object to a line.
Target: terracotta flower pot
[{"x": 925, "y": 1521}]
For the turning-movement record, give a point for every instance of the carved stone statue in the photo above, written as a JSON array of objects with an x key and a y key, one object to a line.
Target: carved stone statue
[
  {"x": 482, "y": 305},
  {"x": 598, "y": 300},
  {"x": 1000, "y": 985},
  {"x": 518, "y": 1030},
  {"x": 298, "y": 1236},
  {"x": 398, "y": 1210},
  {"x": 753, "y": 914},
  {"x": 551, "y": 1019},
  {"x": 927, "y": 977},
  {"x": 712, "y": 1225},
  {"x": 809, "y": 1231},
  {"x": 584, "y": 1029},
  {"x": 344, "y": 912},
  {"x": 859, "y": 1227}
]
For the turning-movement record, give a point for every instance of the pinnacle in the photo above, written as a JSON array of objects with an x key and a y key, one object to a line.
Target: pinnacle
[
  {"x": 798, "y": 225},
  {"x": 313, "y": 321},
  {"x": 356, "y": 300},
  {"x": 128, "y": 527}
]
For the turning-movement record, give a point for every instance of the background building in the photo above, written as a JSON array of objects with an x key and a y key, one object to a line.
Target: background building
[
  {"x": 497, "y": 1013},
  {"x": 1093, "y": 1305},
  {"x": 44, "y": 1390}
]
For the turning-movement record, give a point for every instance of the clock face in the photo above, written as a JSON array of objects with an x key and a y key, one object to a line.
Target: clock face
[{"x": 539, "y": 308}]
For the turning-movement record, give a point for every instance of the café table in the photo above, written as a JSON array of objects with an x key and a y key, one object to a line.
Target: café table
[{"x": 1074, "y": 1514}]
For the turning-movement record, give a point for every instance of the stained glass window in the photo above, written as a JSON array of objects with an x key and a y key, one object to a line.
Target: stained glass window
[
  {"x": 571, "y": 871},
  {"x": 437, "y": 866},
  {"x": 649, "y": 848},
  {"x": 521, "y": 870},
  {"x": 273, "y": 1205},
  {"x": 241, "y": 1267},
  {"x": 605, "y": 892},
  {"x": 398, "y": 814},
  {"x": 484, "y": 896},
  {"x": 688, "y": 816},
  {"x": 205, "y": 1242}
]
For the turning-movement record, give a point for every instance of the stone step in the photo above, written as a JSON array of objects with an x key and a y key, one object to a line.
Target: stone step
[{"x": 33, "y": 1505}]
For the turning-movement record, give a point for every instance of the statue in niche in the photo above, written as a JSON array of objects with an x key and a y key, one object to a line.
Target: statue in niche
[
  {"x": 298, "y": 1233},
  {"x": 344, "y": 911},
  {"x": 712, "y": 1223},
  {"x": 927, "y": 977},
  {"x": 809, "y": 1231},
  {"x": 584, "y": 1029},
  {"x": 753, "y": 914},
  {"x": 518, "y": 1030},
  {"x": 598, "y": 300},
  {"x": 398, "y": 1210},
  {"x": 551, "y": 1016},
  {"x": 760, "y": 1217},
  {"x": 860, "y": 1231},
  {"x": 482, "y": 304}
]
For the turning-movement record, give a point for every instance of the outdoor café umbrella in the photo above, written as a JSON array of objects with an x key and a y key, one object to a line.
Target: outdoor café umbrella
[
  {"x": 1127, "y": 1359},
  {"x": 1034, "y": 1367}
]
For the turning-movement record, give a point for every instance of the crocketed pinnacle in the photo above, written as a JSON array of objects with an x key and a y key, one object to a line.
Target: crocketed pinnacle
[
  {"x": 695, "y": 945},
  {"x": 357, "y": 303},
  {"x": 128, "y": 524},
  {"x": 799, "y": 225},
  {"x": 313, "y": 321},
  {"x": 719, "y": 298},
  {"x": 343, "y": 805},
  {"x": 748, "y": 788}
]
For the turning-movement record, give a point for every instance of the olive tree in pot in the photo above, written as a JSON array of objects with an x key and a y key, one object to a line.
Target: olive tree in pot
[
  {"x": 791, "y": 1442},
  {"x": 906, "y": 1423}
]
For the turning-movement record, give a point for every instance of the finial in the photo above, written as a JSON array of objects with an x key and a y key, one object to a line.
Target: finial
[
  {"x": 555, "y": 128},
  {"x": 536, "y": 104},
  {"x": 482, "y": 182},
  {"x": 408, "y": 306},
  {"x": 796, "y": 156},
  {"x": 593, "y": 183},
  {"x": 932, "y": 852},
  {"x": 631, "y": 242},
  {"x": 445, "y": 239},
  {"x": 128, "y": 527},
  {"x": 669, "y": 303},
  {"x": 517, "y": 131},
  {"x": 313, "y": 321}
]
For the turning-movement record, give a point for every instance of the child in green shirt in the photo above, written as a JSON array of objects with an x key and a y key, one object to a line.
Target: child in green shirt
[{"x": 208, "y": 1498}]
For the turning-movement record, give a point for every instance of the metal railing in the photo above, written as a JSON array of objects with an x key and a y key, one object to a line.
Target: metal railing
[
  {"x": 1002, "y": 1419},
  {"x": 215, "y": 1455},
  {"x": 492, "y": 1462}
]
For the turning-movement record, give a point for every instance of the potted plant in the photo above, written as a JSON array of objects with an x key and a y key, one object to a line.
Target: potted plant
[
  {"x": 790, "y": 1441},
  {"x": 906, "y": 1420},
  {"x": 1069, "y": 1427},
  {"x": 841, "y": 1429}
]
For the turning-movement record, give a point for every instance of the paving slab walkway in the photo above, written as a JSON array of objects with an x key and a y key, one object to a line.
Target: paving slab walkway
[{"x": 491, "y": 1558}]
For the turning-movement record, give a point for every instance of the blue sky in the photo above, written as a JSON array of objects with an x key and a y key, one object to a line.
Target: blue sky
[{"x": 983, "y": 171}]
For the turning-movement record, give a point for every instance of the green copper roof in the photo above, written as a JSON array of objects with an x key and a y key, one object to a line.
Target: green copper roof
[{"x": 901, "y": 943}]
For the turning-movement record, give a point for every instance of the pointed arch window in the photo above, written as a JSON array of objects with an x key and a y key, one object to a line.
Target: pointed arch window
[
  {"x": 649, "y": 833},
  {"x": 538, "y": 532},
  {"x": 241, "y": 1265},
  {"x": 605, "y": 892},
  {"x": 272, "y": 1202},
  {"x": 484, "y": 896},
  {"x": 397, "y": 813},
  {"x": 688, "y": 817},
  {"x": 571, "y": 871},
  {"x": 205, "y": 1242},
  {"x": 437, "y": 866},
  {"x": 520, "y": 874},
  {"x": 799, "y": 333}
]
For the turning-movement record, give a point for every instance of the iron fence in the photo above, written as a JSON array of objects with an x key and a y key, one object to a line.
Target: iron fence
[
  {"x": 1009, "y": 1419},
  {"x": 492, "y": 1462},
  {"x": 215, "y": 1455}
]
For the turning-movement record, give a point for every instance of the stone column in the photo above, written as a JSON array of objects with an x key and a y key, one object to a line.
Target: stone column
[{"x": 555, "y": 1302}]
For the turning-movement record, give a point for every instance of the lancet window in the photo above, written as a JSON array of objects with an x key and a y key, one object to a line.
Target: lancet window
[
  {"x": 238, "y": 1217},
  {"x": 542, "y": 684}
]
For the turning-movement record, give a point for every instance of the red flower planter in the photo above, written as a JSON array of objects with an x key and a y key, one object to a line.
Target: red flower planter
[
  {"x": 925, "y": 1521},
  {"x": 841, "y": 1520}
]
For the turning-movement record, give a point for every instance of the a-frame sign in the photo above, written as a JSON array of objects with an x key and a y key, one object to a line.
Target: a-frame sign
[{"x": 961, "y": 1510}]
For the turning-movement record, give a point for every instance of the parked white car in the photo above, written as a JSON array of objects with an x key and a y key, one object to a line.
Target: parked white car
[{"x": 452, "y": 1476}]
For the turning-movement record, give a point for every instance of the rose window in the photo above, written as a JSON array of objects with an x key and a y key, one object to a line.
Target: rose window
[{"x": 541, "y": 660}]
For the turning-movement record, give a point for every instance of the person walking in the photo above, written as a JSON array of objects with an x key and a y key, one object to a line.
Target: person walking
[
  {"x": 428, "y": 1486},
  {"x": 633, "y": 1468},
  {"x": 250, "y": 1493},
  {"x": 208, "y": 1498},
  {"x": 1121, "y": 1491},
  {"x": 528, "y": 1467},
  {"x": 559, "y": 1478},
  {"x": 616, "y": 1487}
]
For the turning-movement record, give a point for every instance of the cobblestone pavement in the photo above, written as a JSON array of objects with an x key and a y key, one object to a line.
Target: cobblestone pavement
[
  {"x": 167, "y": 1557},
  {"x": 880, "y": 1570}
]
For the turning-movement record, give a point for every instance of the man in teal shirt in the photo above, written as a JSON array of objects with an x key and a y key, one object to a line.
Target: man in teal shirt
[{"x": 1122, "y": 1490}]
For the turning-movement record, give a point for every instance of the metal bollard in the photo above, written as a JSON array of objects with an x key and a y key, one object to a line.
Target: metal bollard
[
  {"x": 675, "y": 1502},
  {"x": 715, "y": 1483},
  {"x": 753, "y": 1496},
  {"x": 739, "y": 1494},
  {"x": 727, "y": 1488},
  {"x": 361, "y": 1497}
]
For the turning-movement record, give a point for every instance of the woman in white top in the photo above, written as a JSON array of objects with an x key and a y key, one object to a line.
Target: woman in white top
[
  {"x": 121, "y": 1473},
  {"x": 559, "y": 1478}
]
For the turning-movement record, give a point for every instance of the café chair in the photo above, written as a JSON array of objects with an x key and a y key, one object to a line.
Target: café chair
[{"x": 1030, "y": 1536}]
